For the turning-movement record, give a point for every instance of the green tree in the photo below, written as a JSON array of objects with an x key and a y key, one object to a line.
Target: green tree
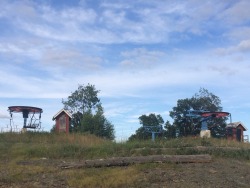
[
  {"x": 87, "y": 112},
  {"x": 170, "y": 130},
  {"x": 150, "y": 120},
  {"x": 203, "y": 100},
  {"x": 80, "y": 101},
  {"x": 140, "y": 134},
  {"x": 97, "y": 124}
]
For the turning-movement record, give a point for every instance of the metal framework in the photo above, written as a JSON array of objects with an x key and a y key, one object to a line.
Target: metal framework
[
  {"x": 153, "y": 130},
  {"x": 206, "y": 115},
  {"x": 33, "y": 114}
]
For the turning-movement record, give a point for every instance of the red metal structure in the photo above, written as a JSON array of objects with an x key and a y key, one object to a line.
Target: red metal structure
[
  {"x": 28, "y": 112},
  {"x": 204, "y": 117},
  {"x": 215, "y": 114},
  {"x": 63, "y": 118}
]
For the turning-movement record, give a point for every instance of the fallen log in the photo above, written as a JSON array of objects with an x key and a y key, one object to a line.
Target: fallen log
[
  {"x": 198, "y": 148},
  {"x": 125, "y": 161}
]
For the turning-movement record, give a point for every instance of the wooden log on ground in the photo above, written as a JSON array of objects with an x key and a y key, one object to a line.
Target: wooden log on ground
[
  {"x": 125, "y": 161},
  {"x": 198, "y": 148}
]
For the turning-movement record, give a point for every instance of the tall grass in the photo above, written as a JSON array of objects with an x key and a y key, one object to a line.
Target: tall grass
[
  {"x": 22, "y": 158},
  {"x": 33, "y": 145}
]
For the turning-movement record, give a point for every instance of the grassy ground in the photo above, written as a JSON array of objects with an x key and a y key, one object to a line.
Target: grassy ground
[{"x": 34, "y": 159}]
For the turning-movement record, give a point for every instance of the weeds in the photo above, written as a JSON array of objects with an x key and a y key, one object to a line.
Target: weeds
[
  {"x": 81, "y": 146},
  {"x": 30, "y": 148}
]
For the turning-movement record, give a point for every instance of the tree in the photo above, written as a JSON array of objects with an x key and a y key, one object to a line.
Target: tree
[
  {"x": 203, "y": 100},
  {"x": 140, "y": 134},
  {"x": 97, "y": 124},
  {"x": 150, "y": 120},
  {"x": 80, "y": 101},
  {"x": 87, "y": 112},
  {"x": 170, "y": 130}
]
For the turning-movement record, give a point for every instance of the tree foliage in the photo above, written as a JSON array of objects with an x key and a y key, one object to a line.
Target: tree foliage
[
  {"x": 97, "y": 124},
  {"x": 87, "y": 112},
  {"x": 169, "y": 130},
  {"x": 147, "y": 120},
  {"x": 151, "y": 120},
  {"x": 83, "y": 99},
  {"x": 203, "y": 100}
]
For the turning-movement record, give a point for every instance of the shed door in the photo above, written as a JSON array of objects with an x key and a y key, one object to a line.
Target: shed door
[
  {"x": 239, "y": 135},
  {"x": 62, "y": 123}
]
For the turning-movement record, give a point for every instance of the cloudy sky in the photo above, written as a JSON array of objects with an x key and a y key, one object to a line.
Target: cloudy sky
[{"x": 142, "y": 55}]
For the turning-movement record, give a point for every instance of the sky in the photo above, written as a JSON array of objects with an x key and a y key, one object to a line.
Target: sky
[{"x": 142, "y": 55}]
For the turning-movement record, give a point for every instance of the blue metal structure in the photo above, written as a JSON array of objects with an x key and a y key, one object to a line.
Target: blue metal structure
[
  {"x": 153, "y": 130},
  {"x": 205, "y": 116}
]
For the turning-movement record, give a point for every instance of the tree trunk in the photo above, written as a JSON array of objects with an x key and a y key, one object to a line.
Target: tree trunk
[{"x": 125, "y": 161}]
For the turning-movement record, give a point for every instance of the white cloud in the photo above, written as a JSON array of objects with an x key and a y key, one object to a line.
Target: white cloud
[
  {"x": 151, "y": 22},
  {"x": 242, "y": 47},
  {"x": 186, "y": 70},
  {"x": 237, "y": 13},
  {"x": 20, "y": 48},
  {"x": 70, "y": 59},
  {"x": 117, "y": 5},
  {"x": 23, "y": 10},
  {"x": 79, "y": 15},
  {"x": 237, "y": 34},
  {"x": 142, "y": 58},
  {"x": 3, "y": 116},
  {"x": 110, "y": 25}
]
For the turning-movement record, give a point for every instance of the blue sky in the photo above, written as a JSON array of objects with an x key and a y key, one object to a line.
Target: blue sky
[{"x": 142, "y": 55}]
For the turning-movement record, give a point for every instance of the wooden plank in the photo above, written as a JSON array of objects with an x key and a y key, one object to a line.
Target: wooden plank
[{"x": 125, "y": 161}]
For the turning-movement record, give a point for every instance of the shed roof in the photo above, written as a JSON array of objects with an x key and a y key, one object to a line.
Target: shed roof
[
  {"x": 62, "y": 110},
  {"x": 235, "y": 125}
]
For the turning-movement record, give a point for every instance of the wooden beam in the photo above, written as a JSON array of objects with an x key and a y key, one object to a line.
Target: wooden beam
[{"x": 125, "y": 161}]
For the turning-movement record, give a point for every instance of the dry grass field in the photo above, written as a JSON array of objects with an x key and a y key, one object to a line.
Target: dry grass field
[{"x": 35, "y": 160}]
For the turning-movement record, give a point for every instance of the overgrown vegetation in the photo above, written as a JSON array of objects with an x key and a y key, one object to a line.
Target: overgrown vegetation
[
  {"x": 36, "y": 157},
  {"x": 83, "y": 146}
]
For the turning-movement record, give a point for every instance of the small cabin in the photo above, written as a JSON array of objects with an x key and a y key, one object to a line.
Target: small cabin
[
  {"x": 234, "y": 131},
  {"x": 63, "y": 119}
]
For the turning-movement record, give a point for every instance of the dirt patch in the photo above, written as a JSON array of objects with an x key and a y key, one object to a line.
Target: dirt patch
[
  {"x": 219, "y": 173},
  {"x": 46, "y": 173}
]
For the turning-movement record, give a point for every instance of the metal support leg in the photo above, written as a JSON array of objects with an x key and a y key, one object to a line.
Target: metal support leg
[{"x": 153, "y": 136}]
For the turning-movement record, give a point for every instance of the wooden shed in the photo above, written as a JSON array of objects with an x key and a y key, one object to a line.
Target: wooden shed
[
  {"x": 234, "y": 131},
  {"x": 63, "y": 118}
]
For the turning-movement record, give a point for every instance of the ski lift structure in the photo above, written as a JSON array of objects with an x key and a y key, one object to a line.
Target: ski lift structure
[
  {"x": 204, "y": 117},
  {"x": 153, "y": 130},
  {"x": 31, "y": 116}
]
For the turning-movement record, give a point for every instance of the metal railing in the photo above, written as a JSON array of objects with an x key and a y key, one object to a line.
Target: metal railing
[{"x": 246, "y": 138}]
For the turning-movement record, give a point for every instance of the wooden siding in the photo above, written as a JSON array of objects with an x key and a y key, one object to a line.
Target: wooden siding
[{"x": 62, "y": 122}]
